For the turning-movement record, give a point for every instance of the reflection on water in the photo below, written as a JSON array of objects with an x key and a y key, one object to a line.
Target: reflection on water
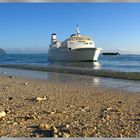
[
  {"x": 93, "y": 65},
  {"x": 121, "y": 84},
  {"x": 129, "y": 85},
  {"x": 96, "y": 81}
]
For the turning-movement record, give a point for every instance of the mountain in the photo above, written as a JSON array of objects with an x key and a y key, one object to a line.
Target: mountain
[{"x": 2, "y": 51}]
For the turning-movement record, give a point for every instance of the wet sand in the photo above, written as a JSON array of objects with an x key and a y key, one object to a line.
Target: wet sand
[
  {"x": 35, "y": 108},
  {"x": 82, "y": 80}
]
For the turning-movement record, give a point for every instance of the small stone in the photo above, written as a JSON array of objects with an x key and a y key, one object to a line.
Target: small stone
[
  {"x": 25, "y": 83},
  {"x": 11, "y": 76},
  {"x": 37, "y": 135},
  {"x": 95, "y": 128},
  {"x": 108, "y": 109},
  {"x": 67, "y": 126},
  {"x": 41, "y": 125},
  {"x": 21, "y": 122},
  {"x": 2, "y": 114},
  {"x": 9, "y": 122},
  {"x": 54, "y": 129},
  {"x": 66, "y": 135},
  {"x": 5, "y": 88},
  {"x": 53, "y": 112},
  {"x": 59, "y": 134},
  {"x": 46, "y": 127},
  {"x": 15, "y": 123},
  {"x": 27, "y": 117},
  {"x": 55, "y": 136},
  {"x": 76, "y": 91},
  {"x": 119, "y": 102},
  {"x": 108, "y": 117},
  {"x": 83, "y": 110},
  {"x": 10, "y": 98},
  {"x": 41, "y": 99}
]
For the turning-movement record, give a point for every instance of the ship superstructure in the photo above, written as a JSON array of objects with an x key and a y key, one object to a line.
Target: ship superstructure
[{"x": 75, "y": 48}]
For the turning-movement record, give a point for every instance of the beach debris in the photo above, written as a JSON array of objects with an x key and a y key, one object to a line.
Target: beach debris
[
  {"x": 66, "y": 135},
  {"x": 84, "y": 108},
  {"x": 76, "y": 91},
  {"x": 44, "y": 126},
  {"x": 41, "y": 98},
  {"x": 11, "y": 76},
  {"x": 67, "y": 126},
  {"x": 37, "y": 99},
  {"x": 10, "y": 98},
  {"x": 25, "y": 83},
  {"x": 55, "y": 136},
  {"x": 5, "y": 88},
  {"x": 15, "y": 123},
  {"x": 2, "y": 114},
  {"x": 120, "y": 102},
  {"x": 54, "y": 131},
  {"x": 53, "y": 111},
  {"x": 29, "y": 116},
  {"x": 108, "y": 117},
  {"x": 109, "y": 109}
]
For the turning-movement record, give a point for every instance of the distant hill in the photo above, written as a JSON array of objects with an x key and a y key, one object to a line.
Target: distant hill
[{"x": 2, "y": 51}]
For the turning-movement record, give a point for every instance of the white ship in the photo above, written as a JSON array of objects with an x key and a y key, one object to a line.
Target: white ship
[{"x": 75, "y": 48}]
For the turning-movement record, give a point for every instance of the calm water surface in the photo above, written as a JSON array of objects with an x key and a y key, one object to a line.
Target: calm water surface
[{"x": 125, "y": 63}]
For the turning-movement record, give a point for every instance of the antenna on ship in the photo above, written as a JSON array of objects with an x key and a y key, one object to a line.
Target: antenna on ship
[{"x": 78, "y": 31}]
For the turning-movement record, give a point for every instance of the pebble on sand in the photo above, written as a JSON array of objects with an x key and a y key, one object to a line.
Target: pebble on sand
[
  {"x": 2, "y": 114},
  {"x": 41, "y": 99},
  {"x": 11, "y": 76},
  {"x": 25, "y": 83}
]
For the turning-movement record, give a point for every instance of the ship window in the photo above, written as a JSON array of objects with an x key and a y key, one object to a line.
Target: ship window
[
  {"x": 83, "y": 42},
  {"x": 90, "y": 43},
  {"x": 71, "y": 42}
]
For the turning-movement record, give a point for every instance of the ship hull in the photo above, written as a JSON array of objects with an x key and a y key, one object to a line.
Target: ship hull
[{"x": 84, "y": 54}]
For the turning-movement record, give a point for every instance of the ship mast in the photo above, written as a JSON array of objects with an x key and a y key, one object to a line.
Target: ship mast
[{"x": 78, "y": 31}]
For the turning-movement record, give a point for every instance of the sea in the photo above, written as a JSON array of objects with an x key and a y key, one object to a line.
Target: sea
[
  {"x": 127, "y": 63},
  {"x": 124, "y": 62}
]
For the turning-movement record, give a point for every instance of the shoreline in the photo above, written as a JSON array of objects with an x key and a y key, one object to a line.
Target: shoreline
[
  {"x": 75, "y": 79},
  {"x": 77, "y": 71},
  {"x": 65, "y": 110}
]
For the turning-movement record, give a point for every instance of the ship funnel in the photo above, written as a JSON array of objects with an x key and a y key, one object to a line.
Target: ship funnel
[
  {"x": 78, "y": 31},
  {"x": 53, "y": 37}
]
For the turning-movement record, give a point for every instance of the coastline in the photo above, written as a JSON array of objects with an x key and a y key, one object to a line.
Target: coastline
[
  {"x": 66, "y": 110},
  {"x": 85, "y": 71},
  {"x": 74, "y": 79}
]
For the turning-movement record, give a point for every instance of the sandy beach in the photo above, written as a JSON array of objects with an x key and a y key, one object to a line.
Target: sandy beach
[{"x": 35, "y": 108}]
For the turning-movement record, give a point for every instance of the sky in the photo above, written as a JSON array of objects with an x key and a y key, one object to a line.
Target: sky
[{"x": 27, "y": 27}]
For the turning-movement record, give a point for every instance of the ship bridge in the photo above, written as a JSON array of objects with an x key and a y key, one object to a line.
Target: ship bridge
[{"x": 80, "y": 38}]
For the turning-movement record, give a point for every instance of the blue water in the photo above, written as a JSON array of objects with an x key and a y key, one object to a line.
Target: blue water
[{"x": 126, "y": 63}]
